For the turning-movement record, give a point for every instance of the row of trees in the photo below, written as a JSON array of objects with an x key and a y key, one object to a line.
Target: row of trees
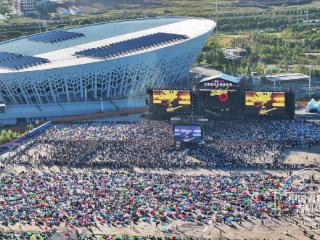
[
  {"x": 270, "y": 19},
  {"x": 7, "y": 136},
  {"x": 243, "y": 19},
  {"x": 287, "y": 51},
  {"x": 4, "y": 6}
]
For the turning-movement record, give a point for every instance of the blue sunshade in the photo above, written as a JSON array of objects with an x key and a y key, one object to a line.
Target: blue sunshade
[
  {"x": 56, "y": 36},
  {"x": 21, "y": 61},
  {"x": 5, "y": 56},
  {"x": 131, "y": 45}
]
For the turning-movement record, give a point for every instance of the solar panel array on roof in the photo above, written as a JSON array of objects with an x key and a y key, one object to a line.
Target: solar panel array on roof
[
  {"x": 56, "y": 36},
  {"x": 18, "y": 61},
  {"x": 4, "y": 56},
  {"x": 131, "y": 45}
]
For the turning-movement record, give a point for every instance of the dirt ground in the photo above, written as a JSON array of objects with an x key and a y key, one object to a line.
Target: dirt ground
[{"x": 303, "y": 156}]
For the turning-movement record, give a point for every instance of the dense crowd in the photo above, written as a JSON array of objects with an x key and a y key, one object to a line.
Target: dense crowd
[
  {"x": 151, "y": 145},
  {"x": 293, "y": 131},
  {"x": 122, "y": 131},
  {"x": 70, "y": 236},
  {"x": 143, "y": 144},
  {"x": 84, "y": 199},
  {"x": 256, "y": 143},
  {"x": 87, "y": 198},
  {"x": 26, "y": 235}
]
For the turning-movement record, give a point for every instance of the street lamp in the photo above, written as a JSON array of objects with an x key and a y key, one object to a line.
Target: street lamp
[
  {"x": 216, "y": 17},
  {"x": 102, "y": 110},
  {"x": 310, "y": 76}
]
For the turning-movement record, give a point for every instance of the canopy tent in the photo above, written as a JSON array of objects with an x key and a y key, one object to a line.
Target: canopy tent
[{"x": 313, "y": 106}]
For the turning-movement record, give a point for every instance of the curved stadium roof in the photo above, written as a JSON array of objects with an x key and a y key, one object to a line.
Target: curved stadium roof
[{"x": 77, "y": 45}]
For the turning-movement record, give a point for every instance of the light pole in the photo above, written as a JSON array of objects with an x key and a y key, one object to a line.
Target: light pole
[
  {"x": 216, "y": 17},
  {"x": 310, "y": 66},
  {"x": 310, "y": 76},
  {"x": 101, "y": 104}
]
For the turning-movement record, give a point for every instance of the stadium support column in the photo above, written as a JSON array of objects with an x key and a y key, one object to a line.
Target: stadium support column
[
  {"x": 101, "y": 102},
  {"x": 310, "y": 78},
  {"x": 36, "y": 93},
  {"x": 95, "y": 86},
  {"x": 13, "y": 99},
  {"x": 52, "y": 92},
  {"x": 109, "y": 88},
  {"x": 24, "y": 94},
  {"x": 135, "y": 82},
  {"x": 85, "y": 93},
  {"x": 81, "y": 88},
  {"x": 123, "y": 82},
  {"x": 67, "y": 90}
]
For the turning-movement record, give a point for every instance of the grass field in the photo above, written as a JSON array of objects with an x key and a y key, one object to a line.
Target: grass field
[{"x": 225, "y": 40}]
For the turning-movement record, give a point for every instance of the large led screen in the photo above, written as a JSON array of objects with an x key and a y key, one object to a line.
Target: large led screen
[
  {"x": 186, "y": 133},
  {"x": 265, "y": 103},
  {"x": 171, "y": 101}
]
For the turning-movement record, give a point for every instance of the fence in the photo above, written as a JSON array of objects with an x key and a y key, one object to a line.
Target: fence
[{"x": 31, "y": 134}]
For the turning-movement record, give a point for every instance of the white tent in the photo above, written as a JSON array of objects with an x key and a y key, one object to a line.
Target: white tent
[{"x": 313, "y": 105}]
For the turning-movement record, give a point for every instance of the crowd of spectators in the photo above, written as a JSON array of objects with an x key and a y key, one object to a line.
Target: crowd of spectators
[
  {"x": 120, "y": 196},
  {"x": 67, "y": 236},
  {"x": 97, "y": 198},
  {"x": 150, "y": 144}
]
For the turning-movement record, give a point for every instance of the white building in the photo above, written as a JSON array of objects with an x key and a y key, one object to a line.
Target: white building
[
  {"x": 234, "y": 53},
  {"x": 288, "y": 78},
  {"x": 28, "y": 7}
]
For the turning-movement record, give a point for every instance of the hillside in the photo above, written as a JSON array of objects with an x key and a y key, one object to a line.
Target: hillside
[
  {"x": 231, "y": 16},
  {"x": 191, "y": 7}
]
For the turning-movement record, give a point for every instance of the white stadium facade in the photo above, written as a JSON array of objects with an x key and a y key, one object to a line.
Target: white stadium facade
[{"x": 99, "y": 62}]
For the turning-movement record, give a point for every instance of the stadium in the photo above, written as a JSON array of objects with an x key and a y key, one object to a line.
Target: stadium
[{"x": 97, "y": 62}]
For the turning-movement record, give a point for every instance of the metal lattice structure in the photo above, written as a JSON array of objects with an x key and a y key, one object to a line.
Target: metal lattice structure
[{"x": 68, "y": 78}]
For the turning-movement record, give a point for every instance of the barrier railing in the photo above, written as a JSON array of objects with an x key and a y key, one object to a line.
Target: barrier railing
[{"x": 32, "y": 133}]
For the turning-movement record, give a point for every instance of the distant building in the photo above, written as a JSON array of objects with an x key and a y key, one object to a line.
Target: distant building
[
  {"x": 62, "y": 11},
  {"x": 42, "y": 3},
  {"x": 25, "y": 7},
  {"x": 68, "y": 11},
  {"x": 28, "y": 7},
  {"x": 234, "y": 53},
  {"x": 74, "y": 10},
  {"x": 288, "y": 78}
]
